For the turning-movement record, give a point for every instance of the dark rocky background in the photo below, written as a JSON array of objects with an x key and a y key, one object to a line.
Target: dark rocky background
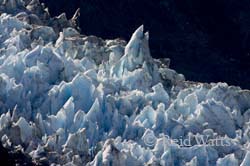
[{"x": 206, "y": 40}]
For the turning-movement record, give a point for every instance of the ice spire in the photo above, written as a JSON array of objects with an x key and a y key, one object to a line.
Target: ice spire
[{"x": 136, "y": 53}]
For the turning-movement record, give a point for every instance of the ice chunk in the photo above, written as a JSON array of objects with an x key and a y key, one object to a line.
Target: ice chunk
[
  {"x": 158, "y": 96},
  {"x": 112, "y": 155},
  {"x": 64, "y": 117},
  {"x": 95, "y": 113},
  {"x": 217, "y": 116},
  {"x": 147, "y": 117},
  {"x": 246, "y": 160},
  {"x": 78, "y": 143},
  {"x": 79, "y": 119},
  {"x": 4, "y": 121},
  {"x": 25, "y": 128},
  {"x": 193, "y": 162},
  {"x": 228, "y": 160},
  {"x": 81, "y": 88}
]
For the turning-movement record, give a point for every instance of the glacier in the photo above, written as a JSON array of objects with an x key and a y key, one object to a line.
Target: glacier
[{"x": 71, "y": 99}]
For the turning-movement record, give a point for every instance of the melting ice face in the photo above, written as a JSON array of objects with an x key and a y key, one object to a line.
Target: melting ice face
[{"x": 82, "y": 100}]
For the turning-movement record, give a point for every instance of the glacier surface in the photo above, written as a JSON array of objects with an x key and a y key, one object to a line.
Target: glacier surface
[{"x": 72, "y": 99}]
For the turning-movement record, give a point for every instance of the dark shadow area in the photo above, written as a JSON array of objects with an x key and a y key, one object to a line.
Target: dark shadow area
[
  {"x": 17, "y": 158},
  {"x": 206, "y": 40}
]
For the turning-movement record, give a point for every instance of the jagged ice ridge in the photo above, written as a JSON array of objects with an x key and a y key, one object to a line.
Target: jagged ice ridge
[{"x": 72, "y": 99}]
